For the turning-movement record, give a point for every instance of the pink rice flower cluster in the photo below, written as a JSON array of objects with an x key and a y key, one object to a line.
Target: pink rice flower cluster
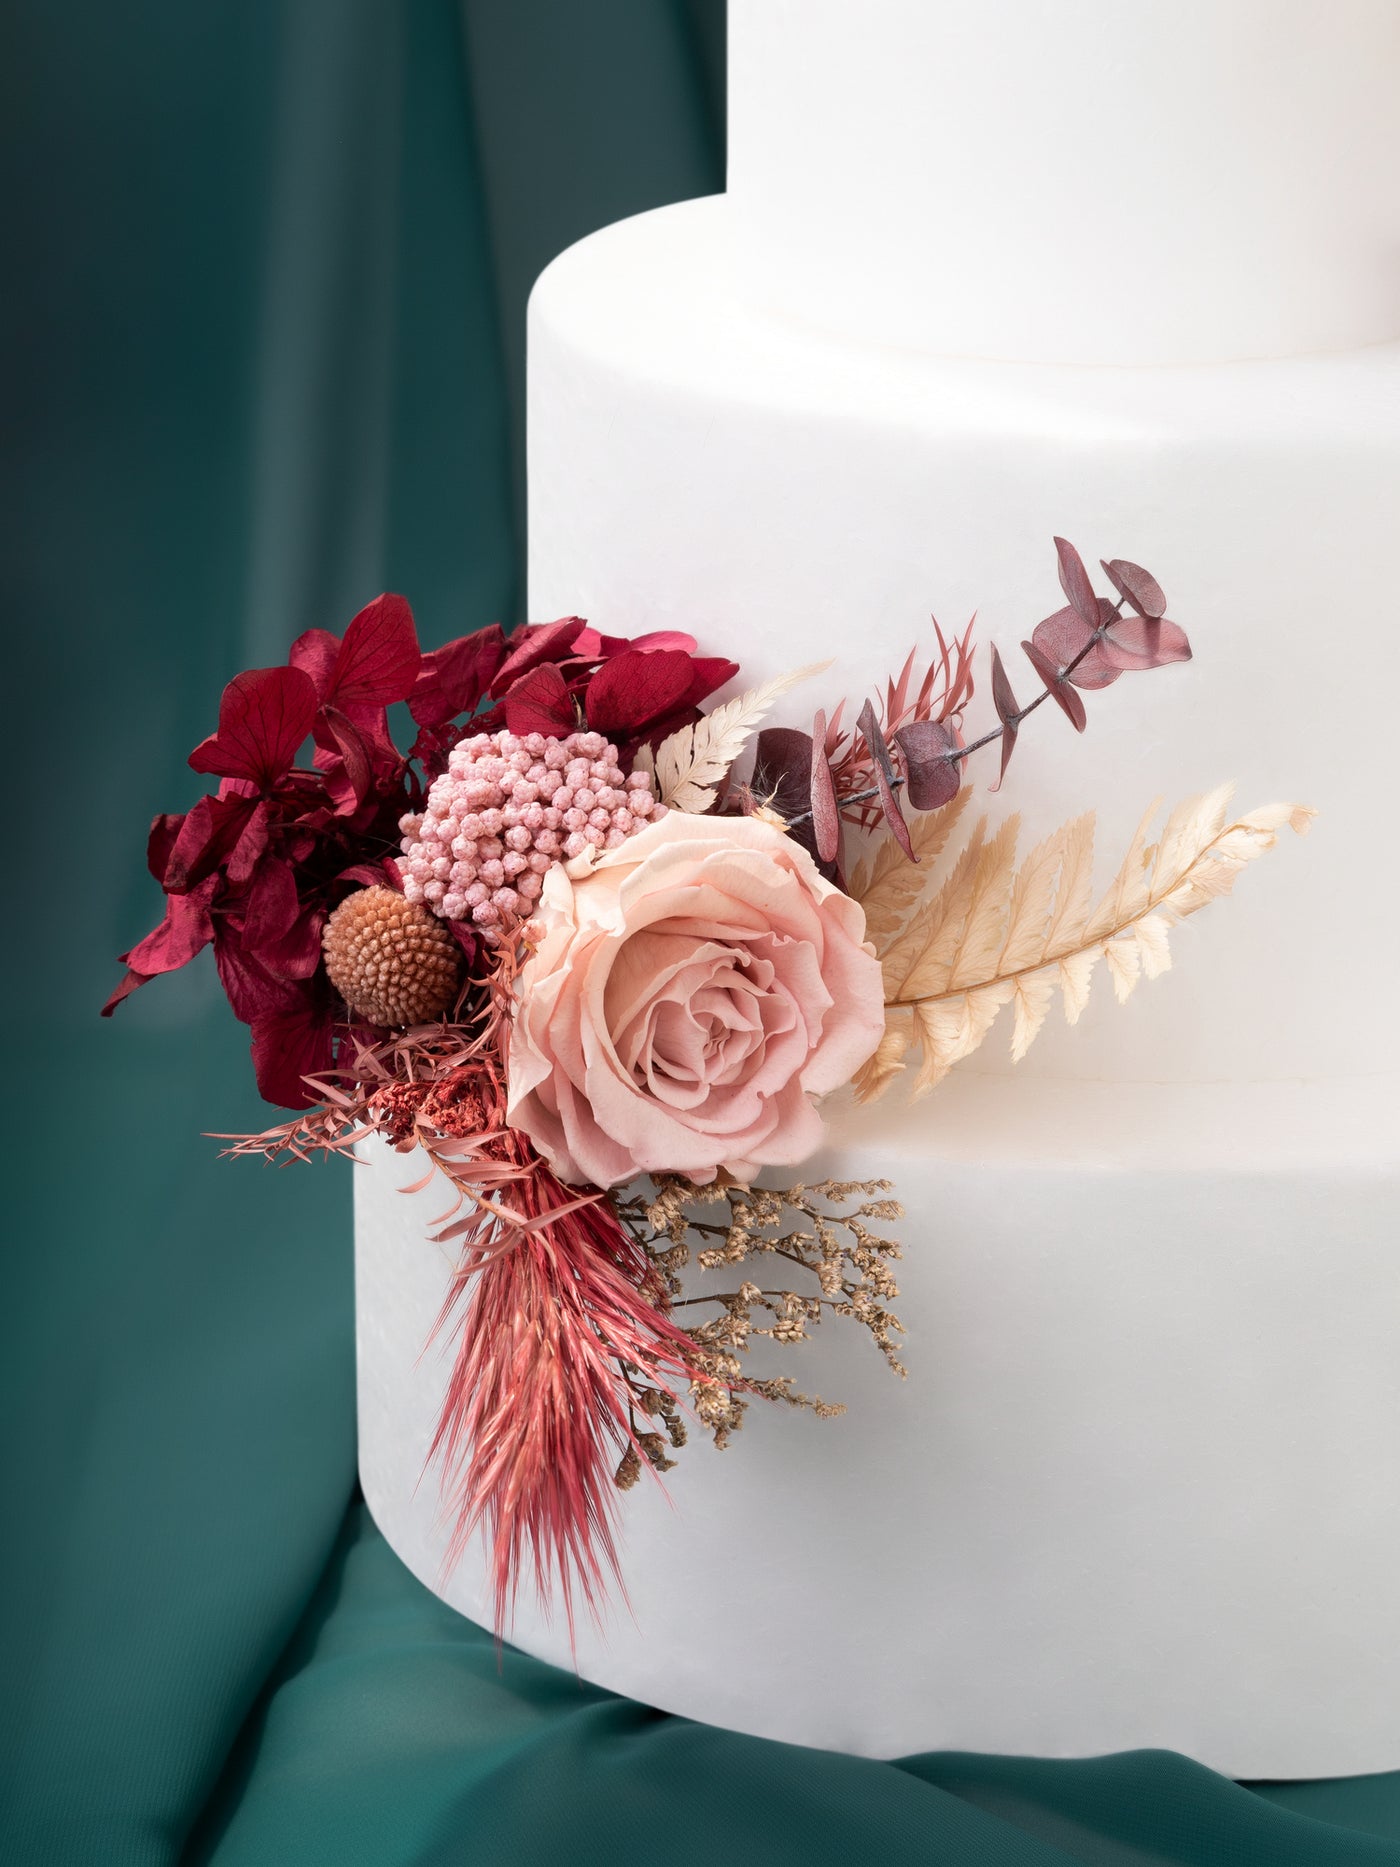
[{"x": 509, "y": 806}]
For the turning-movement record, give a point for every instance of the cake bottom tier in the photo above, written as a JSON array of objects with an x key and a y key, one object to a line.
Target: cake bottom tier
[{"x": 1141, "y": 1487}]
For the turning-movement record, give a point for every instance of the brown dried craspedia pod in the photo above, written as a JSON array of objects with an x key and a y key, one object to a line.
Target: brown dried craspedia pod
[{"x": 391, "y": 960}]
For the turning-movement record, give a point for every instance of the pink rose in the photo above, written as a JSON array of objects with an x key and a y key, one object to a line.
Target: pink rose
[{"x": 689, "y": 993}]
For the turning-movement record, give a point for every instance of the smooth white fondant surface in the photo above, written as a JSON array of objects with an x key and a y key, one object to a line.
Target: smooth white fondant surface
[
  {"x": 1161, "y": 181},
  {"x": 788, "y": 498},
  {"x": 1142, "y": 1486}
]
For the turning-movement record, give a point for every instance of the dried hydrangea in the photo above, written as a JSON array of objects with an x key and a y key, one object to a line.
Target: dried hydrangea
[{"x": 506, "y": 808}]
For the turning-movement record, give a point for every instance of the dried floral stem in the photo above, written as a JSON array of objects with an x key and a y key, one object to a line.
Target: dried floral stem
[{"x": 957, "y": 754}]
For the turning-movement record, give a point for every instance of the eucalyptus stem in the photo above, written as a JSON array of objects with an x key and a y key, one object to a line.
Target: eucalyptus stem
[{"x": 988, "y": 738}]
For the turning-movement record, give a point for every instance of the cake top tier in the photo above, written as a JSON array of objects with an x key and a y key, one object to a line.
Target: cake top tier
[{"x": 1092, "y": 181}]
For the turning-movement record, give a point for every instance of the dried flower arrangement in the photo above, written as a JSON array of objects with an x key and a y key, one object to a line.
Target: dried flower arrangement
[{"x": 600, "y": 981}]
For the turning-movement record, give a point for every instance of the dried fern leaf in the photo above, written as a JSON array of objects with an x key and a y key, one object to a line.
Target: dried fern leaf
[
  {"x": 994, "y": 934},
  {"x": 921, "y": 960},
  {"x": 1032, "y": 997},
  {"x": 888, "y": 885},
  {"x": 1074, "y": 890},
  {"x": 983, "y": 932},
  {"x": 1074, "y": 974},
  {"x": 1129, "y": 890},
  {"x": 691, "y": 763},
  {"x": 952, "y": 1028},
  {"x": 879, "y": 1071}
]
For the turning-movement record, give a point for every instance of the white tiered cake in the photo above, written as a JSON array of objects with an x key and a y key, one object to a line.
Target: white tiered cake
[{"x": 991, "y": 270}]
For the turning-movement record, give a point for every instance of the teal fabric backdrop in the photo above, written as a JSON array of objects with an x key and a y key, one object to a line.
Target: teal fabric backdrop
[{"x": 264, "y": 327}]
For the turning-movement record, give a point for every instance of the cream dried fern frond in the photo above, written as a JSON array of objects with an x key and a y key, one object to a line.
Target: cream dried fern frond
[
  {"x": 993, "y": 934},
  {"x": 691, "y": 763}
]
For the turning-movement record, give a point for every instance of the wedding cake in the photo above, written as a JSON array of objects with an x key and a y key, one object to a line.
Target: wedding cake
[{"x": 989, "y": 271}]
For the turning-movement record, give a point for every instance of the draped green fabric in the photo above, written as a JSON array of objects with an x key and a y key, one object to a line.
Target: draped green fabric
[{"x": 263, "y": 326}]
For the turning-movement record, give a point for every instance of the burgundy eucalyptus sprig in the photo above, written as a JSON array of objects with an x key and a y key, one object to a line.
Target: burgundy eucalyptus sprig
[{"x": 1084, "y": 646}]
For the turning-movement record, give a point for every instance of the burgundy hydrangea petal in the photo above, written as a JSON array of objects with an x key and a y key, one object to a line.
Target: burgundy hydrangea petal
[
  {"x": 272, "y": 905},
  {"x": 362, "y": 875},
  {"x": 252, "y": 991},
  {"x": 933, "y": 778},
  {"x": 534, "y": 644},
  {"x": 1063, "y": 636},
  {"x": 290, "y": 1045},
  {"x": 316, "y": 652},
  {"x": 1135, "y": 642},
  {"x": 379, "y": 658},
  {"x": 465, "y": 935},
  {"x": 634, "y": 689},
  {"x": 539, "y": 703},
  {"x": 247, "y": 851},
  {"x": 297, "y": 955},
  {"x": 708, "y": 673},
  {"x": 130, "y": 982},
  {"x": 393, "y": 874},
  {"x": 456, "y": 678},
  {"x": 187, "y": 929},
  {"x": 349, "y": 773},
  {"x": 210, "y": 831},
  {"x": 264, "y": 715},
  {"x": 165, "y": 832},
  {"x": 590, "y": 646}
]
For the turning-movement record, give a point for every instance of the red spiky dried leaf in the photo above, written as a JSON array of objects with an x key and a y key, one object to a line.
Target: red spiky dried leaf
[
  {"x": 264, "y": 717},
  {"x": 1061, "y": 692},
  {"x": 1136, "y": 586},
  {"x": 826, "y": 819},
  {"x": 1074, "y": 581},
  {"x": 934, "y": 772},
  {"x": 869, "y": 728}
]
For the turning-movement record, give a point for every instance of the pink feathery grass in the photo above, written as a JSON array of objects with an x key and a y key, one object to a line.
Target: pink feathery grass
[
  {"x": 561, "y": 1328},
  {"x": 560, "y": 1318}
]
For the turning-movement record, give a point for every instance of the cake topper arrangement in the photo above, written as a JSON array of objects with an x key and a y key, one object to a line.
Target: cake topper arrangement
[{"x": 594, "y": 955}]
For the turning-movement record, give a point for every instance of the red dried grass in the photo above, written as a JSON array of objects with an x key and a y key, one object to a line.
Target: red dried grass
[{"x": 560, "y": 1319}]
